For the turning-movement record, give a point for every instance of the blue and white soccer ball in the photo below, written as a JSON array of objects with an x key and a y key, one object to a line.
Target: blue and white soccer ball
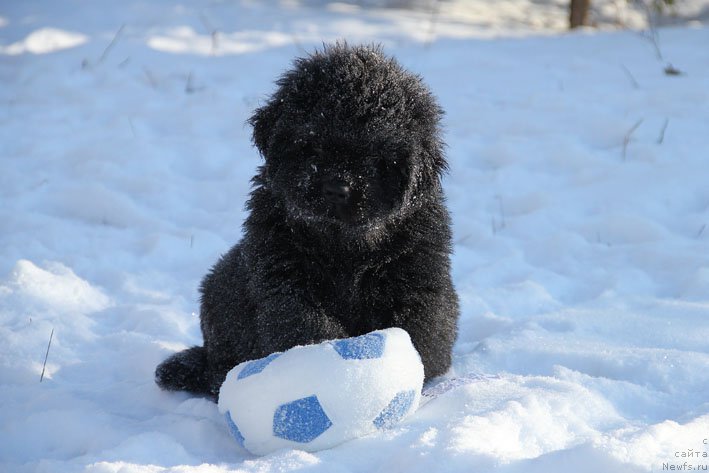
[{"x": 317, "y": 396}]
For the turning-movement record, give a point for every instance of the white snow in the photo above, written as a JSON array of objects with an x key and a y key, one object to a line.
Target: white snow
[
  {"x": 44, "y": 40},
  {"x": 580, "y": 204}
]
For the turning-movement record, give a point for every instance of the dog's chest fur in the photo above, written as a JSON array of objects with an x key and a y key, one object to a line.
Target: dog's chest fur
[{"x": 351, "y": 287}]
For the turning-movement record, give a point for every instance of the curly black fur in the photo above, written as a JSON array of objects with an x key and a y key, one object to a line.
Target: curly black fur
[{"x": 348, "y": 230}]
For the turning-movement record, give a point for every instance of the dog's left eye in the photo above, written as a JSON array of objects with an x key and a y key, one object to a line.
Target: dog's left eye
[
  {"x": 377, "y": 164},
  {"x": 386, "y": 166}
]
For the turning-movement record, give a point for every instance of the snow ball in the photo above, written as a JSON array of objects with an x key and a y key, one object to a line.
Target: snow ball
[{"x": 317, "y": 396}]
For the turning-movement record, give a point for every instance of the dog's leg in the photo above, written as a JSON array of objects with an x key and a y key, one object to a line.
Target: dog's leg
[
  {"x": 290, "y": 315},
  {"x": 283, "y": 325},
  {"x": 426, "y": 306}
]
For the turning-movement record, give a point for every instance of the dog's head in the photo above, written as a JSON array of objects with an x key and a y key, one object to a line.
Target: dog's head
[{"x": 349, "y": 138}]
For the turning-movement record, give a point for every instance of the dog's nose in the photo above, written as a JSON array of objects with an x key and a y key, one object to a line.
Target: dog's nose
[{"x": 336, "y": 192}]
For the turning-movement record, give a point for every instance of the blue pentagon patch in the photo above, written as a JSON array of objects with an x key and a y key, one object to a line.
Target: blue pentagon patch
[
  {"x": 256, "y": 366},
  {"x": 362, "y": 347},
  {"x": 396, "y": 410},
  {"x": 235, "y": 432},
  {"x": 302, "y": 420}
]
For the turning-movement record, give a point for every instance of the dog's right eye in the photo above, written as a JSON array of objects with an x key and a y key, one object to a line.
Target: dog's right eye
[
  {"x": 376, "y": 163},
  {"x": 309, "y": 151},
  {"x": 386, "y": 167}
]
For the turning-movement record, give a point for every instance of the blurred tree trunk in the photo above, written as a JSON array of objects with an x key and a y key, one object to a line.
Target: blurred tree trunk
[{"x": 578, "y": 13}]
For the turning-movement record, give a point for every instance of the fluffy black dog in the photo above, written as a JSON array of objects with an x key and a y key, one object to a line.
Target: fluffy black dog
[{"x": 348, "y": 231}]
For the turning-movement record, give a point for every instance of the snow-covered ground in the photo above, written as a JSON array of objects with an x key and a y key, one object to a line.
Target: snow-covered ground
[{"x": 579, "y": 193}]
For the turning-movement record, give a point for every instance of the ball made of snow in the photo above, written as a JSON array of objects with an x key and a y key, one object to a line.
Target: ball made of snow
[{"x": 317, "y": 396}]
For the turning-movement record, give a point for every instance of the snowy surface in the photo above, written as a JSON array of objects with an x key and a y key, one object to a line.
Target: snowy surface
[{"x": 580, "y": 202}]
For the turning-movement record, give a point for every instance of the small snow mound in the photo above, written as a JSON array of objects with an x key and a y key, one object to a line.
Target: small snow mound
[
  {"x": 45, "y": 40},
  {"x": 513, "y": 418},
  {"x": 665, "y": 446},
  {"x": 56, "y": 286},
  {"x": 185, "y": 40},
  {"x": 627, "y": 229}
]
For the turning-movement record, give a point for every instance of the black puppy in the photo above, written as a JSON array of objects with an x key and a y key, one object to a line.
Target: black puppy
[{"x": 348, "y": 231}]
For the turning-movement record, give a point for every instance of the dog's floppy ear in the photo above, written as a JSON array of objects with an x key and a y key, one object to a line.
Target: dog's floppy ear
[
  {"x": 263, "y": 121},
  {"x": 437, "y": 151},
  {"x": 432, "y": 141}
]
